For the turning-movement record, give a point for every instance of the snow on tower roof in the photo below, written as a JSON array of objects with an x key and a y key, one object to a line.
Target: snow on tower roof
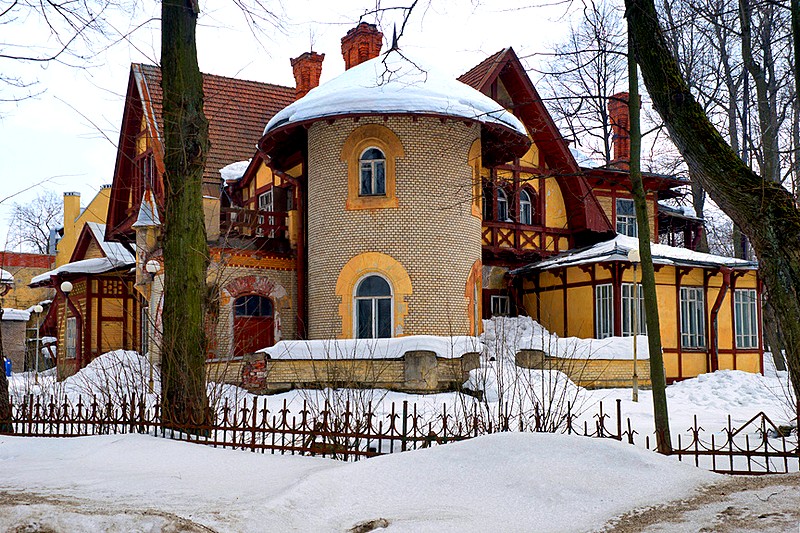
[
  {"x": 6, "y": 277},
  {"x": 148, "y": 212},
  {"x": 393, "y": 84},
  {"x": 617, "y": 250}
]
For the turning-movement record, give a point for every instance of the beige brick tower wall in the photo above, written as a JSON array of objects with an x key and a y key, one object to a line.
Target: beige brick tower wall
[{"x": 432, "y": 232}]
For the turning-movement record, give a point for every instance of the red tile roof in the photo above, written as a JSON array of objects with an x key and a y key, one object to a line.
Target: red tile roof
[
  {"x": 476, "y": 76},
  {"x": 237, "y": 112}
]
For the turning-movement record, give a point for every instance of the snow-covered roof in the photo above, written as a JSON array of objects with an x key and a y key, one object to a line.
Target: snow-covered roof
[
  {"x": 394, "y": 348},
  {"x": 6, "y": 277},
  {"x": 16, "y": 314},
  {"x": 234, "y": 171},
  {"x": 680, "y": 211},
  {"x": 96, "y": 265},
  {"x": 393, "y": 84},
  {"x": 617, "y": 250},
  {"x": 114, "y": 250},
  {"x": 148, "y": 212},
  {"x": 585, "y": 160}
]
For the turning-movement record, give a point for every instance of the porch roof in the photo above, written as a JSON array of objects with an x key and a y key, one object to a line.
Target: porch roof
[
  {"x": 617, "y": 249},
  {"x": 95, "y": 265}
]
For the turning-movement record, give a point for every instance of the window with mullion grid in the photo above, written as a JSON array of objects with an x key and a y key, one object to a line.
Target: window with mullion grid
[
  {"x": 628, "y": 305},
  {"x": 745, "y": 315},
  {"x": 626, "y": 218},
  {"x": 603, "y": 311},
  {"x": 693, "y": 314}
]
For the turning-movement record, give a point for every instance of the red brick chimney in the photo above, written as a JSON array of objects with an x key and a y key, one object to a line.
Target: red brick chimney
[
  {"x": 620, "y": 127},
  {"x": 307, "y": 69},
  {"x": 362, "y": 43}
]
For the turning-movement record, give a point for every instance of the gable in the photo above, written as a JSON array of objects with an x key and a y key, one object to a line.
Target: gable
[
  {"x": 236, "y": 111},
  {"x": 503, "y": 77}
]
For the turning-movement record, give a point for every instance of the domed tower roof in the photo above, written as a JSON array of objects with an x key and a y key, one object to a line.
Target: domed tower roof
[{"x": 392, "y": 84}]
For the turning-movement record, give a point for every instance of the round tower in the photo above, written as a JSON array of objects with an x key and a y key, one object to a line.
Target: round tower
[{"x": 393, "y": 180}]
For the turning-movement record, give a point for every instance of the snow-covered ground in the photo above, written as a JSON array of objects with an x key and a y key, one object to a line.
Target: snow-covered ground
[{"x": 503, "y": 482}]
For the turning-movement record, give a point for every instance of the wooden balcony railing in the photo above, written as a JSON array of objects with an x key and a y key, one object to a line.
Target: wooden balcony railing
[
  {"x": 255, "y": 224},
  {"x": 522, "y": 239}
]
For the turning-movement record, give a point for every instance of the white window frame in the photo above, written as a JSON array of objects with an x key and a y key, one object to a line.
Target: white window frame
[
  {"x": 603, "y": 311},
  {"x": 266, "y": 202},
  {"x": 500, "y": 305},
  {"x": 374, "y": 306},
  {"x": 693, "y": 317},
  {"x": 627, "y": 301},
  {"x": 502, "y": 205},
  {"x": 626, "y": 224},
  {"x": 71, "y": 338},
  {"x": 372, "y": 164},
  {"x": 745, "y": 316},
  {"x": 525, "y": 207}
]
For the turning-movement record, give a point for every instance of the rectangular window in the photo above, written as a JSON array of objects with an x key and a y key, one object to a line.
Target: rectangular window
[
  {"x": 265, "y": 203},
  {"x": 71, "y": 337},
  {"x": 628, "y": 306},
  {"x": 626, "y": 218},
  {"x": 745, "y": 315},
  {"x": 693, "y": 314},
  {"x": 603, "y": 311},
  {"x": 500, "y": 305}
]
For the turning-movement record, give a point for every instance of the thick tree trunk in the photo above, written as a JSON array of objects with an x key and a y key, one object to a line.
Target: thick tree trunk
[
  {"x": 762, "y": 208},
  {"x": 5, "y": 400},
  {"x": 183, "y": 388},
  {"x": 657, "y": 375}
]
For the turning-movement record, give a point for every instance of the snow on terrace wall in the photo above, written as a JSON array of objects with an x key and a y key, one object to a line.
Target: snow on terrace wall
[{"x": 431, "y": 233}]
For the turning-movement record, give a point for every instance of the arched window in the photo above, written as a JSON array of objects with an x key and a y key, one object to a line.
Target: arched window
[
  {"x": 525, "y": 208},
  {"x": 502, "y": 205},
  {"x": 373, "y": 308},
  {"x": 373, "y": 173}
]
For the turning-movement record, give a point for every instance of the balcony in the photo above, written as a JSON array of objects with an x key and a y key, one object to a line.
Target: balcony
[
  {"x": 522, "y": 240},
  {"x": 265, "y": 230}
]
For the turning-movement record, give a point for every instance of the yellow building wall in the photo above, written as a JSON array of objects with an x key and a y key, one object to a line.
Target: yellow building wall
[
  {"x": 555, "y": 210},
  {"x": 74, "y": 220},
  {"x": 687, "y": 363}
]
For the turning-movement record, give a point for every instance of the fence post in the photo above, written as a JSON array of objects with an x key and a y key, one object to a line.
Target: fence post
[
  {"x": 619, "y": 418},
  {"x": 405, "y": 426}
]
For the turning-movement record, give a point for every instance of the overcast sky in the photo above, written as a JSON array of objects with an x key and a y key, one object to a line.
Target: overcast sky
[{"x": 65, "y": 137}]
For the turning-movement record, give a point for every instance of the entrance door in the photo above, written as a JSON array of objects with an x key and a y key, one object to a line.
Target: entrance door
[{"x": 253, "y": 324}]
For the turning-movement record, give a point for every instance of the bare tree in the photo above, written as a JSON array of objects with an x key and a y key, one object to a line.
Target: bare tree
[
  {"x": 588, "y": 68},
  {"x": 31, "y": 222},
  {"x": 764, "y": 210}
]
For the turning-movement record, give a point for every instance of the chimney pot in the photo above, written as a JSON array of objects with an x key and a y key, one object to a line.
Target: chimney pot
[
  {"x": 361, "y": 43},
  {"x": 307, "y": 69}
]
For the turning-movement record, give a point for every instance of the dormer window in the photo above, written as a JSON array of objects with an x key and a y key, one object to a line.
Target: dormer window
[{"x": 373, "y": 173}]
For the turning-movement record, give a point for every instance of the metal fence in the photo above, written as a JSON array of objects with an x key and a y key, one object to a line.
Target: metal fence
[{"x": 350, "y": 431}]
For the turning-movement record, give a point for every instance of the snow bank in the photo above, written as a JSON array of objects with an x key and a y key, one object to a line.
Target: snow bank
[
  {"x": 504, "y": 482},
  {"x": 16, "y": 314},
  {"x": 447, "y": 347},
  {"x": 390, "y": 83},
  {"x": 505, "y": 336}
]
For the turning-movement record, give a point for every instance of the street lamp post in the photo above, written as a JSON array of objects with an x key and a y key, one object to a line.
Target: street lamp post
[
  {"x": 634, "y": 258},
  {"x": 151, "y": 267},
  {"x": 66, "y": 288},
  {"x": 38, "y": 310}
]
